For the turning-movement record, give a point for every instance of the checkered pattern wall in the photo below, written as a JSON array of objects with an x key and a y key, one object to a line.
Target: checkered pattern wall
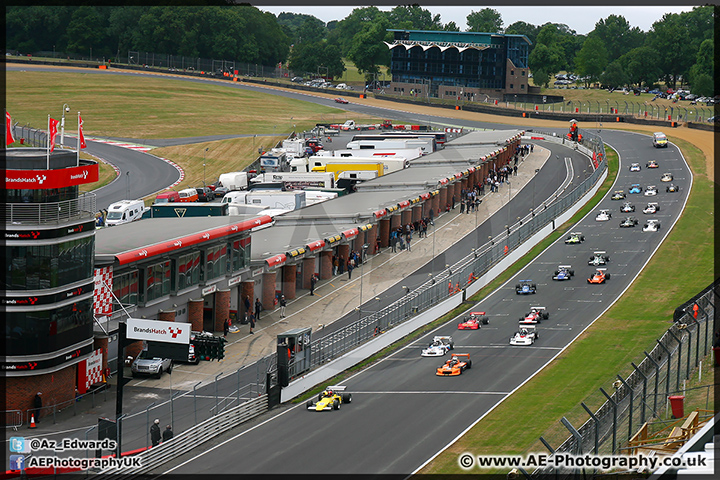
[
  {"x": 90, "y": 371},
  {"x": 103, "y": 291}
]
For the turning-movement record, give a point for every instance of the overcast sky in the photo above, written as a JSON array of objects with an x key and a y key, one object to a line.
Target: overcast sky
[{"x": 580, "y": 19}]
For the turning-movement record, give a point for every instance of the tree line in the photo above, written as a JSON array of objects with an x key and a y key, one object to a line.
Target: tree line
[{"x": 678, "y": 48}]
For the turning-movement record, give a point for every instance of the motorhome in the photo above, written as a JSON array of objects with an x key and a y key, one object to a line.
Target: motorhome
[
  {"x": 304, "y": 165},
  {"x": 125, "y": 211},
  {"x": 234, "y": 180},
  {"x": 438, "y": 137},
  {"x": 426, "y": 144},
  {"x": 274, "y": 160},
  {"x": 391, "y": 164},
  {"x": 266, "y": 198},
  {"x": 360, "y": 170},
  {"x": 296, "y": 181}
]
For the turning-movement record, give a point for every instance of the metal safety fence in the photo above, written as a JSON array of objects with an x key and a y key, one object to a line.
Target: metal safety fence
[{"x": 644, "y": 394}]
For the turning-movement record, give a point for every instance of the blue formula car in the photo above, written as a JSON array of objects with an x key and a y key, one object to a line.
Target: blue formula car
[
  {"x": 635, "y": 188},
  {"x": 525, "y": 287},
  {"x": 563, "y": 272}
]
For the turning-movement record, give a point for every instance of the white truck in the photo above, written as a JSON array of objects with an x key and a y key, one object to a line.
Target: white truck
[
  {"x": 274, "y": 160},
  {"x": 426, "y": 144},
  {"x": 294, "y": 147},
  {"x": 125, "y": 211},
  {"x": 275, "y": 199},
  {"x": 304, "y": 164},
  {"x": 296, "y": 180},
  {"x": 234, "y": 180},
  {"x": 391, "y": 164}
]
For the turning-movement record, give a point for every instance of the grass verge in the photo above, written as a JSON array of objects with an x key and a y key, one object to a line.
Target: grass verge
[{"x": 642, "y": 314}]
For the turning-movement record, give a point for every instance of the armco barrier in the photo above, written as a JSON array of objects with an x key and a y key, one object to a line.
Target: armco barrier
[{"x": 193, "y": 437}]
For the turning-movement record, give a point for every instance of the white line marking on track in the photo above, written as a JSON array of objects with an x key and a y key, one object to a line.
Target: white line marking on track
[{"x": 443, "y": 392}]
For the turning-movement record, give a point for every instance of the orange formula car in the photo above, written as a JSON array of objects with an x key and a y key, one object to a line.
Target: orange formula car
[
  {"x": 455, "y": 366},
  {"x": 599, "y": 276}
]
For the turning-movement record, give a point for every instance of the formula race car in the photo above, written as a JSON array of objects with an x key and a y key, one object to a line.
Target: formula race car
[
  {"x": 439, "y": 347},
  {"x": 330, "y": 399},
  {"x": 341, "y": 100},
  {"x": 635, "y": 188},
  {"x": 627, "y": 207},
  {"x": 603, "y": 215},
  {"x": 650, "y": 191},
  {"x": 598, "y": 258},
  {"x": 618, "y": 195},
  {"x": 666, "y": 177},
  {"x": 651, "y": 226},
  {"x": 652, "y": 164},
  {"x": 525, "y": 287},
  {"x": 652, "y": 207},
  {"x": 473, "y": 321},
  {"x": 672, "y": 188},
  {"x": 574, "y": 237},
  {"x": 635, "y": 167},
  {"x": 628, "y": 222},
  {"x": 599, "y": 276},
  {"x": 535, "y": 315},
  {"x": 564, "y": 272},
  {"x": 525, "y": 336},
  {"x": 457, "y": 364}
]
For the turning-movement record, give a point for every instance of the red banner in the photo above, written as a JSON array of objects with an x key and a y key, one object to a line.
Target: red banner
[
  {"x": 8, "y": 129},
  {"x": 59, "y": 178},
  {"x": 52, "y": 124},
  {"x": 80, "y": 132}
]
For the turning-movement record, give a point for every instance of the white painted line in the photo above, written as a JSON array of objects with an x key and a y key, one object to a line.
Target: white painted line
[{"x": 427, "y": 392}]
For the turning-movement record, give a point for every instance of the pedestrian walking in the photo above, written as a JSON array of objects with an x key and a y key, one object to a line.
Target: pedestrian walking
[
  {"x": 341, "y": 265},
  {"x": 155, "y": 433},
  {"x": 350, "y": 266},
  {"x": 37, "y": 404},
  {"x": 258, "y": 308},
  {"x": 408, "y": 237},
  {"x": 251, "y": 319},
  {"x": 313, "y": 281},
  {"x": 247, "y": 303},
  {"x": 335, "y": 265},
  {"x": 167, "y": 434},
  {"x": 283, "y": 304},
  {"x": 226, "y": 327}
]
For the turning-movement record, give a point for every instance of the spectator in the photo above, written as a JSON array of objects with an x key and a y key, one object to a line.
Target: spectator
[
  {"x": 167, "y": 434},
  {"x": 247, "y": 303},
  {"x": 155, "y": 433},
  {"x": 258, "y": 308},
  {"x": 37, "y": 403},
  {"x": 350, "y": 266},
  {"x": 313, "y": 281},
  {"x": 226, "y": 328},
  {"x": 251, "y": 319},
  {"x": 283, "y": 304},
  {"x": 335, "y": 265}
]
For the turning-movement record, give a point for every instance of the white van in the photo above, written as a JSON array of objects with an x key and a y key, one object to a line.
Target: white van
[
  {"x": 124, "y": 211},
  {"x": 234, "y": 197}
]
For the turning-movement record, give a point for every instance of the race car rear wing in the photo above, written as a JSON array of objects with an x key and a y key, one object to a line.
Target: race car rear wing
[
  {"x": 601, "y": 269},
  {"x": 599, "y": 252},
  {"x": 575, "y": 233},
  {"x": 564, "y": 266},
  {"x": 537, "y": 308},
  {"x": 336, "y": 388}
]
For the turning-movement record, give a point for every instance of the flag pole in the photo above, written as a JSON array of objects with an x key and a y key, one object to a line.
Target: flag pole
[
  {"x": 48, "y": 144},
  {"x": 77, "y": 164}
]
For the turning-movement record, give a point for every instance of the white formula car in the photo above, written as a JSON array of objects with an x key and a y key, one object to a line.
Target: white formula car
[
  {"x": 526, "y": 335},
  {"x": 651, "y": 226},
  {"x": 439, "y": 347},
  {"x": 651, "y": 208},
  {"x": 603, "y": 215},
  {"x": 635, "y": 167},
  {"x": 666, "y": 177},
  {"x": 650, "y": 191}
]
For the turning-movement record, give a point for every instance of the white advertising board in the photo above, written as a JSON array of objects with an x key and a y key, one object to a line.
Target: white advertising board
[{"x": 158, "y": 331}]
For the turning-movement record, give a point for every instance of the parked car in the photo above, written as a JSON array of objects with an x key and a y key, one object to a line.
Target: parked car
[
  {"x": 144, "y": 364},
  {"x": 205, "y": 194}
]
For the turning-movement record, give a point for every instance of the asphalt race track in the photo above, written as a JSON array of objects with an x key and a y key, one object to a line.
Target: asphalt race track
[{"x": 402, "y": 414}]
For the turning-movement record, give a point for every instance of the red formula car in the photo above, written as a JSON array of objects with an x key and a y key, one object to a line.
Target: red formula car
[
  {"x": 473, "y": 321},
  {"x": 341, "y": 100},
  {"x": 599, "y": 276}
]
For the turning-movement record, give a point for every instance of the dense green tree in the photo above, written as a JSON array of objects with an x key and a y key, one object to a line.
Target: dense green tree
[
  {"x": 591, "y": 60},
  {"x": 614, "y": 75},
  {"x": 704, "y": 85},
  {"x": 451, "y": 27},
  {"x": 313, "y": 57},
  {"x": 704, "y": 63},
  {"x": 302, "y": 27},
  {"x": 413, "y": 17},
  {"x": 487, "y": 20},
  {"x": 523, "y": 28},
  {"x": 86, "y": 30},
  {"x": 359, "y": 19},
  {"x": 368, "y": 50},
  {"x": 543, "y": 61},
  {"x": 642, "y": 65},
  {"x": 617, "y": 35},
  {"x": 34, "y": 28}
]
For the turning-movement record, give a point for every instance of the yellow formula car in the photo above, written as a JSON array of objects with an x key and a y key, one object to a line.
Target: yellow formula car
[{"x": 330, "y": 399}]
